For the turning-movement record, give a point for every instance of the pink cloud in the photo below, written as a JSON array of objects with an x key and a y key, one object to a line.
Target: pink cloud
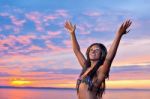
[
  {"x": 36, "y": 18},
  {"x": 11, "y": 40},
  {"x": 3, "y": 48},
  {"x": 54, "y": 34},
  {"x": 49, "y": 17},
  {"x": 62, "y": 13},
  {"x": 129, "y": 75},
  {"x": 28, "y": 66},
  {"x": 83, "y": 30},
  {"x": 103, "y": 26},
  {"x": 39, "y": 28},
  {"x": 24, "y": 60},
  {"x": 35, "y": 48},
  {"x": 101, "y": 29},
  {"x": 53, "y": 47},
  {"x": 141, "y": 25},
  {"x": 82, "y": 42},
  {"x": 8, "y": 27},
  {"x": 41, "y": 19},
  {"x": 68, "y": 43},
  {"x": 92, "y": 13},
  {"x": 24, "y": 39},
  {"x": 56, "y": 49},
  {"x": 51, "y": 34},
  {"x": 4, "y": 14},
  {"x": 17, "y": 22},
  {"x": 130, "y": 54},
  {"x": 16, "y": 30}
]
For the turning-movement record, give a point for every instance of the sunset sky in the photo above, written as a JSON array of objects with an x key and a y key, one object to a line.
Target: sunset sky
[{"x": 36, "y": 51}]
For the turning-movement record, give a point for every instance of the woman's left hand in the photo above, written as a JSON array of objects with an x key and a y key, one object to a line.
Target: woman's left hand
[{"x": 123, "y": 28}]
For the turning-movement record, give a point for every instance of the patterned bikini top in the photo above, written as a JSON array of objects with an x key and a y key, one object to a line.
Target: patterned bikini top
[{"x": 88, "y": 80}]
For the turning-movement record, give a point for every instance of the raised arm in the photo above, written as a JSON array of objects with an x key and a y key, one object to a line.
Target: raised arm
[
  {"x": 104, "y": 69},
  {"x": 76, "y": 48}
]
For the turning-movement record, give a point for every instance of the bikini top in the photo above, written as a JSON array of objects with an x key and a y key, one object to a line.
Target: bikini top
[{"x": 88, "y": 80}]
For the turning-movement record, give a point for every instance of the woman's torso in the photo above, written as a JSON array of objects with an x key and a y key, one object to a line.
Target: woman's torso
[{"x": 84, "y": 93}]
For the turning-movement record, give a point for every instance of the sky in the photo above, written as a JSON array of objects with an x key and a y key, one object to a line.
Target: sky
[{"x": 36, "y": 50}]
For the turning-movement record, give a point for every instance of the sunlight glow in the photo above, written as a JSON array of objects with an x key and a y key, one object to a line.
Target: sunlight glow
[
  {"x": 129, "y": 84},
  {"x": 20, "y": 83}
]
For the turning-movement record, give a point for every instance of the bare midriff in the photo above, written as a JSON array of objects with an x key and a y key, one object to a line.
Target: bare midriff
[{"x": 84, "y": 93}]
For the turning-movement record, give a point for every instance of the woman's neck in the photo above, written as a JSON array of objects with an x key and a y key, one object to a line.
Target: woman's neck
[{"x": 93, "y": 63}]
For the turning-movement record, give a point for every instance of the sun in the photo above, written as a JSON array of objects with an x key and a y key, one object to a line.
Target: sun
[{"x": 20, "y": 82}]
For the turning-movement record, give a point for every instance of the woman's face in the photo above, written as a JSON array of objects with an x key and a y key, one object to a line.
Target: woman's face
[{"x": 95, "y": 52}]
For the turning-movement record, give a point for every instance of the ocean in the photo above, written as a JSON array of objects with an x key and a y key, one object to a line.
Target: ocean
[{"x": 14, "y": 93}]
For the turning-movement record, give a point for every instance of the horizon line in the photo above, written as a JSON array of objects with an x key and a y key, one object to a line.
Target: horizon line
[{"x": 53, "y": 88}]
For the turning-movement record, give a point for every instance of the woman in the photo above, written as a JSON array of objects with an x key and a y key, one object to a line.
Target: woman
[{"x": 91, "y": 82}]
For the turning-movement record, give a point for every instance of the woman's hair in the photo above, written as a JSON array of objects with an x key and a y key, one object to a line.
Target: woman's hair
[
  {"x": 100, "y": 61},
  {"x": 101, "y": 58}
]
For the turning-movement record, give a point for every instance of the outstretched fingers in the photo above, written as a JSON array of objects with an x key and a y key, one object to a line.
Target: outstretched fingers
[
  {"x": 68, "y": 25},
  {"x": 127, "y": 24},
  {"x": 124, "y": 26},
  {"x": 65, "y": 24}
]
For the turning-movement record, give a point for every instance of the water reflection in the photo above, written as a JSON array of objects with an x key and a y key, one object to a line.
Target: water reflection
[{"x": 68, "y": 94}]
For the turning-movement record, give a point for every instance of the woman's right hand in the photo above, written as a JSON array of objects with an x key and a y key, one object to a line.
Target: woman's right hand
[{"x": 71, "y": 28}]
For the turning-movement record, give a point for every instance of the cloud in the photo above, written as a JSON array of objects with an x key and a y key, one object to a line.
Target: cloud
[
  {"x": 131, "y": 68},
  {"x": 17, "y": 22},
  {"x": 49, "y": 17},
  {"x": 35, "y": 48},
  {"x": 133, "y": 51},
  {"x": 4, "y": 74},
  {"x": 84, "y": 28},
  {"x": 43, "y": 20},
  {"x": 36, "y": 18},
  {"x": 4, "y": 14},
  {"x": 92, "y": 13},
  {"x": 62, "y": 13},
  {"x": 54, "y": 34},
  {"x": 129, "y": 72},
  {"x": 15, "y": 42}
]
